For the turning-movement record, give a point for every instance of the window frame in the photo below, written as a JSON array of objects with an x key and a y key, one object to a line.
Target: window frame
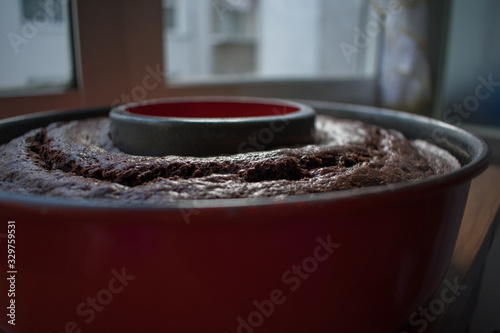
[{"x": 119, "y": 43}]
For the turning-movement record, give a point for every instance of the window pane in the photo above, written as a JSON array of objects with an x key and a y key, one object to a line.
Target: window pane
[
  {"x": 266, "y": 39},
  {"x": 35, "y": 48}
]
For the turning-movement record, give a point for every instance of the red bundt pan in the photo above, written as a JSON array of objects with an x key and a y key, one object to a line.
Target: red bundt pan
[{"x": 350, "y": 261}]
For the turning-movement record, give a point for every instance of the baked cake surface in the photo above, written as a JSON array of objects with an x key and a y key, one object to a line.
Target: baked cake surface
[{"x": 78, "y": 160}]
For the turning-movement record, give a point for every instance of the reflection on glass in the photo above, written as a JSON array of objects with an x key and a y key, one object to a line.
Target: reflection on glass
[{"x": 35, "y": 48}]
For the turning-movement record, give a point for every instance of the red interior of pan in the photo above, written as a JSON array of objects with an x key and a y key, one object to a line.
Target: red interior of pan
[{"x": 212, "y": 110}]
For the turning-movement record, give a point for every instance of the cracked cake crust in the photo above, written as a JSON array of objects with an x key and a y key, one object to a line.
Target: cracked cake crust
[{"x": 78, "y": 160}]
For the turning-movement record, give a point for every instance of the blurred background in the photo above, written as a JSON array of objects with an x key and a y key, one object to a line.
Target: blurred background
[
  {"x": 412, "y": 55},
  {"x": 436, "y": 58}
]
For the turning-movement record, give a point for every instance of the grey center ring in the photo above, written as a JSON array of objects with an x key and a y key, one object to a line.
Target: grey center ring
[{"x": 210, "y": 126}]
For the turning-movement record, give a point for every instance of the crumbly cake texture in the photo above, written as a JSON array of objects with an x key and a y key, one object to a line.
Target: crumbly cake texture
[{"x": 78, "y": 160}]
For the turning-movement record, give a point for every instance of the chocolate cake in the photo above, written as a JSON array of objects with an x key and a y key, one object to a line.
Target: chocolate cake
[{"x": 78, "y": 160}]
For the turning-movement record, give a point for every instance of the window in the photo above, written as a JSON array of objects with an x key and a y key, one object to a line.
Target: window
[
  {"x": 111, "y": 51},
  {"x": 251, "y": 39},
  {"x": 37, "y": 49}
]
